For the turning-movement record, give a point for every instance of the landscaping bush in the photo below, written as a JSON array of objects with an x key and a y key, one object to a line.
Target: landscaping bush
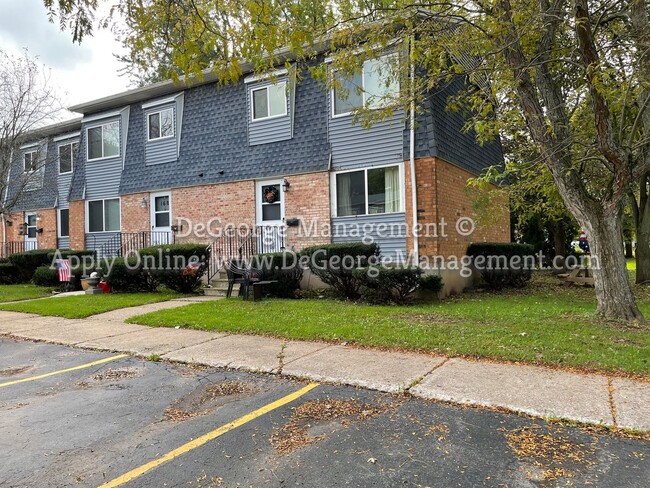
[
  {"x": 28, "y": 261},
  {"x": 8, "y": 273},
  {"x": 503, "y": 265},
  {"x": 335, "y": 264},
  {"x": 46, "y": 276},
  {"x": 283, "y": 268},
  {"x": 388, "y": 284},
  {"x": 180, "y": 267},
  {"x": 127, "y": 275},
  {"x": 431, "y": 282}
]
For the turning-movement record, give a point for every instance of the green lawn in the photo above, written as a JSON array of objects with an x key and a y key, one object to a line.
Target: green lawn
[
  {"x": 82, "y": 306},
  {"x": 12, "y": 293},
  {"x": 547, "y": 323}
]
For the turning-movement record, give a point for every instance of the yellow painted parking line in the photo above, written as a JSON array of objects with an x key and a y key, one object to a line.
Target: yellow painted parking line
[
  {"x": 199, "y": 441},
  {"x": 61, "y": 371}
]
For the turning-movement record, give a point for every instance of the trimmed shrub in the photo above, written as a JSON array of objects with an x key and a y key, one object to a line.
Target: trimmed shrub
[
  {"x": 283, "y": 268},
  {"x": 180, "y": 267},
  {"x": 28, "y": 261},
  {"x": 431, "y": 282},
  {"x": 386, "y": 284},
  {"x": 335, "y": 264},
  {"x": 8, "y": 273},
  {"x": 127, "y": 275},
  {"x": 503, "y": 265},
  {"x": 46, "y": 276}
]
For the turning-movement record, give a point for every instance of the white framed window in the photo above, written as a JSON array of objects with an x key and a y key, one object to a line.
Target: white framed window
[
  {"x": 269, "y": 101},
  {"x": 103, "y": 215},
  {"x": 371, "y": 88},
  {"x": 64, "y": 222},
  {"x": 368, "y": 191},
  {"x": 103, "y": 141},
  {"x": 67, "y": 155},
  {"x": 160, "y": 124},
  {"x": 30, "y": 161}
]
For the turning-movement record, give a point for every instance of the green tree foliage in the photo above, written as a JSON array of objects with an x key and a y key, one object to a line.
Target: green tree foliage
[{"x": 573, "y": 77}]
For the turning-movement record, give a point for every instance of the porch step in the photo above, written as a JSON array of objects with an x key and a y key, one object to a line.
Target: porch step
[
  {"x": 219, "y": 287},
  {"x": 219, "y": 283},
  {"x": 214, "y": 292}
]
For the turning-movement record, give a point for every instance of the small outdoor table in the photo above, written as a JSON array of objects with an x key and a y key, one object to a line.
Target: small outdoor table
[{"x": 258, "y": 288}]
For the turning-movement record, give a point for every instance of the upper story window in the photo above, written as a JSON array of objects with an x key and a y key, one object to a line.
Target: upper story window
[
  {"x": 67, "y": 155},
  {"x": 368, "y": 191},
  {"x": 269, "y": 101},
  {"x": 104, "y": 141},
  {"x": 160, "y": 124},
  {"x": 372, "y": 88},
  {"x": 31, "y": 161}
]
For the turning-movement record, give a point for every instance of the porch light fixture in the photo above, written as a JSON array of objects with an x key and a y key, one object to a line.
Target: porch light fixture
[
  {"x": 285, "y": 185},
  {"x": 10, "y": 223},
  {"x": 143, "y": 203}
]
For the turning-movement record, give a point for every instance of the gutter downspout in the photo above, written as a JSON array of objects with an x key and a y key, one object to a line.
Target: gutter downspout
[{"x": 414, "y": 194}]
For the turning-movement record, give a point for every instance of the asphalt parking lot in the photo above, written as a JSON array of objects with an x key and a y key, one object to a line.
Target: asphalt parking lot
[{"x": 71, "y": 417}]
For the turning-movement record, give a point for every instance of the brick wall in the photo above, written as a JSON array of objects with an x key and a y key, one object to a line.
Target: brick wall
[
  {"x": 454, "y": 201},
  {"x": 203, "y": 211},
  {"x": 47, "y": 221},
  {"x": 135, "y": 218},
  {"x": 16, "y": 219},
  {"x": 213, "y": 207},
  {"x": 77, "y": 224},
  {"x": 308, "y": 199},
  {"x": 442, "y": 195}
]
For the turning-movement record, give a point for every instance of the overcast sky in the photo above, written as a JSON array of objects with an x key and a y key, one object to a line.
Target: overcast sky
[{"x": 80, "y": 73}]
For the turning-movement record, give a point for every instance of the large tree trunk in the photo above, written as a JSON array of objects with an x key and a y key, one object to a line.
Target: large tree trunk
[
  {"x": 559, "y": 239},
  {"x": 643, "y": 249},
  {"x": 611, "y": 280}
]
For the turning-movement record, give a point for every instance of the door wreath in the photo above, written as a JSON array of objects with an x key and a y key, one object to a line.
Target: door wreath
[{"x": 270, "y": 194}]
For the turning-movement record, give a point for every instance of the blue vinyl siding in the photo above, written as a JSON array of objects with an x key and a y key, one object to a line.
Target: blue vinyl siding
[
  {"x": 64, "y": 180},
  {"x": 354, "y": 146},
  {"x": 274, "y": 129},
  {"x": 102, "y": 177},
  {"x": 387, "y": 230},
  {"x": 159, "y": 151},
  {"x": 63, "y": 243}
]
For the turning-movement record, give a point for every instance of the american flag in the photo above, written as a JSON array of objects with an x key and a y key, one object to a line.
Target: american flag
[{"x": 63, "y": 265}]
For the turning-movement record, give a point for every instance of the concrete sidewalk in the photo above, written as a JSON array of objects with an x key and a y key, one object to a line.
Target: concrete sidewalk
[{"x": 537, "y": 391}]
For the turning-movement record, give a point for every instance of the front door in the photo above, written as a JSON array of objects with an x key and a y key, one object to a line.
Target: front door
[
  {"x": 270, "y": 216},
  {"x": 30, "y": 232},
  {"x": 161, "y": 218}
]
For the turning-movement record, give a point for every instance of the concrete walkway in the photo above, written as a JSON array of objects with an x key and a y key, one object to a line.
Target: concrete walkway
[{"x": 536, "y": 391}]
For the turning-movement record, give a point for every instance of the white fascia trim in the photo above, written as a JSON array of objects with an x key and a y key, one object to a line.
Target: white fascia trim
[
  {"x": 265, "y": 76},
  {"x": 164, "y": 101},
  {"x": 30, "y": 145},
  {"x": 71, "y": 135},
  {"x": 106, "y": 115},
  {"x": 389, "y": 48}
]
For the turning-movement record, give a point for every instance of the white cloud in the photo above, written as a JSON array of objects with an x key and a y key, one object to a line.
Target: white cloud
[{"x": 81, "y": 73}]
